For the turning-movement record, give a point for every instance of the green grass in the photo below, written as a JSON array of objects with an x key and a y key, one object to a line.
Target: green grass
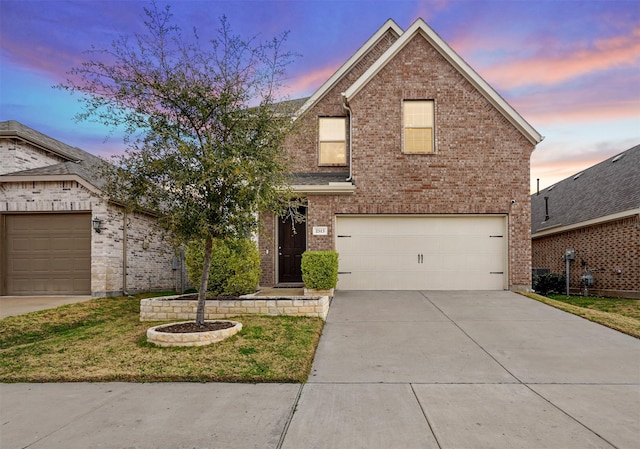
[
  {"x": 103, "y": 340},
  {"x": 619, "y": 314},
  {"x": 620, "y": 306}
]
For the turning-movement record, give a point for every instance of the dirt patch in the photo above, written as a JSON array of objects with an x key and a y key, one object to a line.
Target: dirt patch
[{"x": 182, "y": 328}]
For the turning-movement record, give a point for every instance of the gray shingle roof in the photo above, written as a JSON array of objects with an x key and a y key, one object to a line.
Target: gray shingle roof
[
  {"x": 78, "y": 162},
  {"x": 603, "y": 189},
  {"x": 318, "y": 179}
]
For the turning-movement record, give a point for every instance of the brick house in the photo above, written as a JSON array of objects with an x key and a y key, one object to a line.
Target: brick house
[
  {"x": 49, "y": 243},
  {"x": 596, "y": 213},
  {"x": 414, "y": 169}
]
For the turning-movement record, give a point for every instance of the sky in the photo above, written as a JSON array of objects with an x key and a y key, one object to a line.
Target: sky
[{"x": 570, "y": 68}]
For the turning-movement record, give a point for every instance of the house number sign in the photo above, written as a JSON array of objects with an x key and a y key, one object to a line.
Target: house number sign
[{"x": 320, "y": 230}]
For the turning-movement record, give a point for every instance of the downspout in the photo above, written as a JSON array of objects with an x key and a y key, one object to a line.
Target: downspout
[
  {"x": 345, "y": 105},
  {"x": 124, "y": 254}
]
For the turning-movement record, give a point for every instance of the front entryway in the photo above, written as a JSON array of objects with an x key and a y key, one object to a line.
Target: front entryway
[{"x": 292, "y": 242}]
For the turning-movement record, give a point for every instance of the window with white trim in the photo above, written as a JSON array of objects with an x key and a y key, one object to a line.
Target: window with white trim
[
  {"x": 332, "y": 147},
  {"x": 418, "y": 121}
]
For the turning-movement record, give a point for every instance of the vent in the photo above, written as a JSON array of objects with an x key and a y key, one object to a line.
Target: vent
[
  {"x": 578, "y": 175},
  {"x": 551, "y": 188},
  {"x": 617, "y": 158}
]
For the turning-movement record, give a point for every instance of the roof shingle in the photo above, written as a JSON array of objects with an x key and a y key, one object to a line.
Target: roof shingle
[{"x": 606, "y": 188}]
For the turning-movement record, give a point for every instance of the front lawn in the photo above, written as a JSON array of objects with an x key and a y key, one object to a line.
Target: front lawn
[
  {"x": 103, "y": 340},
  {"x": 620, "y": 314}
]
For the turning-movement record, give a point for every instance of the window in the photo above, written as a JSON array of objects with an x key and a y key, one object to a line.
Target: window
[
  {"x": 418, "y": 126},
  {"x": 333, "y": 141}
]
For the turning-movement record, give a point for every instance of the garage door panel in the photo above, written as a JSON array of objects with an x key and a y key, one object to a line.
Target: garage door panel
[
  {"x": 48, "y": 254},
  {"x": 421, "y": 252}
]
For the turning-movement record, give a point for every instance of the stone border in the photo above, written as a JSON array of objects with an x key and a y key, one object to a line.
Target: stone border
[
  {"x": 166, "y": 339},
  {"x": 172, "y": 308}
]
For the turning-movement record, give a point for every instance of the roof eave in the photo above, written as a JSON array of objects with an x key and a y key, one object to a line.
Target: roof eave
[
  {"x": 421, "y": 27},
  {"x": 50, "y": 178},
  {"x": 333, "y": 188},
  {"x": 322, "y": 90},
  {"x": 17, "y": 134},
  {"x": 583, "y": 224}
]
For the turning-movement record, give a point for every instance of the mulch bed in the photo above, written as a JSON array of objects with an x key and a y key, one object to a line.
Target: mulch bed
[
  {"x": 194, "y": 297},
  {"x": 182, "y": 328}
]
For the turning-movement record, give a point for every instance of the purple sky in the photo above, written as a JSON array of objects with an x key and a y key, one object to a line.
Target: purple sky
[{"x": 570, "y": 68}]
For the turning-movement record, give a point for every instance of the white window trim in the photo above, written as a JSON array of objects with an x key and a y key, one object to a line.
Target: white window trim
[
  {"x": 433, "y": 127},
  {"x": 346, "y": 156}
]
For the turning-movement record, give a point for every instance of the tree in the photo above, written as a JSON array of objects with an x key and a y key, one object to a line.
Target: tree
[{"x": 203, "y": 125}]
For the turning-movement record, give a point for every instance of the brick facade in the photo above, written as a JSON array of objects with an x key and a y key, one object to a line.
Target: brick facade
[
  {"x": 611, "y": 250},
  {"x": 149, "y": 257},
  {"x": 18, "y": 156},
  {"x": 480, "y": 166}
]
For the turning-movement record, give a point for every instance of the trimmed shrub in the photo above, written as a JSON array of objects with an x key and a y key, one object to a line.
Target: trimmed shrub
[
  {"x": 320, "y": 269},
  {"x": 550, "y": 283},
  {"x": 235, "y": 266}
]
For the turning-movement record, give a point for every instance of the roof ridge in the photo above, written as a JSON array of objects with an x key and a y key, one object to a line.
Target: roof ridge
[{"x": 390, "y": 24}]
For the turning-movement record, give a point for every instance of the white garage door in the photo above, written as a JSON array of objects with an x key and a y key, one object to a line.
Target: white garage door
[{"x": 382, "y": 252}]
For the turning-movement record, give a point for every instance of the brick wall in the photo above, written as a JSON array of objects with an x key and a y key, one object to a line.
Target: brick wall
[
  {"x": 611, "y": 250},
  {"x": 267, "y": 241},
  {"x": 304, "y": 143},
  {"x": 149, "y": 255},
  {"x": 481, "y": 162},
  {"x": 17, "y": 156}
]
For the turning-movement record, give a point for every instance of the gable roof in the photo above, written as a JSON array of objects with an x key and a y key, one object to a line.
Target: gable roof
[
  {"x": 420, "y": 27},
  {"x": 77, "y": 162},
  {"x": 368, "y": 45},
  {"x": 608, "y": 190}
]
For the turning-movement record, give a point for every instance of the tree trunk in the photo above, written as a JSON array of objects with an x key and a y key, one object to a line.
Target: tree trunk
[{"x": 204, "y": 281}]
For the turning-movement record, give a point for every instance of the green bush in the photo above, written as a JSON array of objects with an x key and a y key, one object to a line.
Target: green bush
[
  {"x": 235, "y": 266},
  {"x": 550, "y": 283},
  {"x": 320, "y": 269}
]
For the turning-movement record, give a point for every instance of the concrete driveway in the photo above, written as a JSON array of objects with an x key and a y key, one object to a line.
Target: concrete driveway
[
  {"x": 393, "y": 370},
  {"x": 19, "y": 305},
  {"x": 466, "y": 370}
]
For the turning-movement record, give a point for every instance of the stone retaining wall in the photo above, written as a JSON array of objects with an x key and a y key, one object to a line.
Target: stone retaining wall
[{"x": 172, "y": 308}]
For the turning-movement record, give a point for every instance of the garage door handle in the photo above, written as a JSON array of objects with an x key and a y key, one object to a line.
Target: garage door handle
[
  {"x": 344, "y": 272},
  {"x": 496, "y": 272}
]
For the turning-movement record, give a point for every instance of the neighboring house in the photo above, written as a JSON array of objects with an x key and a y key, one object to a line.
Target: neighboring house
[
  {"x": 596, "y": 213},
  {"x": 415, "y": 170},
  {"x": 49, "y": 212}
]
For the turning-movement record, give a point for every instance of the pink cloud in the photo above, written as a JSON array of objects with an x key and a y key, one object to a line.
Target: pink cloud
[
  {"x": 308, "y": 82},
  {"x": 555, "y": 108},
  {"x": 547, "y": 68}
]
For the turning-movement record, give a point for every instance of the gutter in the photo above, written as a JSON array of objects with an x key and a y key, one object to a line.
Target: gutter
[{"x": 345, "y": 106}]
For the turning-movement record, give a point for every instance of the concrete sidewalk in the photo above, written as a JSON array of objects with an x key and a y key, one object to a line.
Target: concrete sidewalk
[{"x": 393, "y": 370}]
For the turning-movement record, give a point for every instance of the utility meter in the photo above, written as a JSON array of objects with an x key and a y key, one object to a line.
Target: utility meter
[{"x": 570, "y": 254}]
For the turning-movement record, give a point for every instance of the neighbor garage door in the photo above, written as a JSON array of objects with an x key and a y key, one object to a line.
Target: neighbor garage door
[
  {"x": 48, "y": 254},
  {"x": 466, "y": 252}
]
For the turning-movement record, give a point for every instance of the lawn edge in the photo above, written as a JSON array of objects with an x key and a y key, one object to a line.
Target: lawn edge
[{"x": 614, "y": 321}]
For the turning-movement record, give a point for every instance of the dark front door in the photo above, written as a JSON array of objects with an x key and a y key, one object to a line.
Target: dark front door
[{"x": 292, "y": 242}]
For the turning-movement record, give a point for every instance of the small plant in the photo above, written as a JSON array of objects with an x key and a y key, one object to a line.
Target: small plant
[
  {"x": 550, "y": 283},
  {"x": 235, "y": 266},
  {"x": 320, "y": 269}
]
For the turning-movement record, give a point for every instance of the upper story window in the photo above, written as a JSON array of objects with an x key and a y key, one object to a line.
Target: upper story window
[
  {"x": 418, "y": 126},
  {"x": 333, "y": 141}
]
